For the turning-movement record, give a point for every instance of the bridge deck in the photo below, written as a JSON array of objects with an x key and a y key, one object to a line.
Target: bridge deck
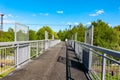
[{"x": 51, "y": 66}]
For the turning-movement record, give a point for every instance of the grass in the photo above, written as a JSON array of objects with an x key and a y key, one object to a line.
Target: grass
[
  {"x": 109, "y": 69},
  {"x": 6, "y": 72},
  {"x": 7, "y": 68}
]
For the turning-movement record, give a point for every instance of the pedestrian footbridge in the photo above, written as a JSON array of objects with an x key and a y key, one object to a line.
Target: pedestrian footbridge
[{"x": 56, "y": 60}]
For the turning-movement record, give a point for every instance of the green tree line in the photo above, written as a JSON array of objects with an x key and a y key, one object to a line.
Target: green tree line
[
  {"x": 104, "y": 35},
  {"x": 6, "y": 36}
]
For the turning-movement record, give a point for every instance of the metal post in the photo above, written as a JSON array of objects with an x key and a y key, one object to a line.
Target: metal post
[
  {"x": 28, "y": 33},
  {"x": 37, "y": 52},
  {"x": 119, "y": 72},
  {"x": 29, "y": 50},
  {"x": 46, "y": 40},
  {"x": 88, "y": 40},
  {"x": 16, "y": 56},
  {"x": 70, "y": 32},
  {"x": 1, "y": 28},
  {"x": 76, "y": 36},
  {"x": 1, "y": 21},
  {"x": 15, "y": 37},
  {"x": 90, "y": 52},
  {"x": 103, "y": 66},
  {"x": 52, "y": 37}
]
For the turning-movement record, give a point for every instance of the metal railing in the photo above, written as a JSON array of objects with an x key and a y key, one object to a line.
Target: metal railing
[
  {"x": 14, "y": 54},
  {"x": 100, "y": 63}
]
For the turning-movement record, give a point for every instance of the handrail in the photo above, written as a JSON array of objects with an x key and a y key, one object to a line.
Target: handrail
[
  {"x": 100, "y": 63},
  {"x": 14, "y": 54},
  {"x": 104, "y": 50}
]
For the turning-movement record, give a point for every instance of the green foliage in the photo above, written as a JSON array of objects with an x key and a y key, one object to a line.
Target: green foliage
[
  {"x": 104, "y": 35},
  {"x": 70, "y": 33},
  {"x": 41, "y": 33},
  {"x": 7, "y": 36},
  {"x": 32, "y": 35}
]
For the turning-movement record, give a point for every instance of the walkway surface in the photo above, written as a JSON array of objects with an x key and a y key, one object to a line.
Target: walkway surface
[{"x": 53, "y": 64}]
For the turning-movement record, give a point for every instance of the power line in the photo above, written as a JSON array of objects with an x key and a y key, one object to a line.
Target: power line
[{"x": 43, "y": 24}]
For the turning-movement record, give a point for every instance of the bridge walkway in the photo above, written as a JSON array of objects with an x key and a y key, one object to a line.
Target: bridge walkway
[{"x": 53, "y": 64}]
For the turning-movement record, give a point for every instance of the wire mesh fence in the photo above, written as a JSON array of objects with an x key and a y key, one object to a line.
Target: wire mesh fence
[
  {"x": 7, "y": 59},
  {"x": 21, "y": 32},
  {"x": 104, "y": 64},
  {"x": 15, "y": 54}
]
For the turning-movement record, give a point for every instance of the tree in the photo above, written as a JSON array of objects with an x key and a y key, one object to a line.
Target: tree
[
  {"x": 104, "y": 35},
  {"x": 32, "y": 35},
  {"x": 41, "y": 33},
  {"x": 81, "y": 32},
  {"x": 7, "y": 36}
]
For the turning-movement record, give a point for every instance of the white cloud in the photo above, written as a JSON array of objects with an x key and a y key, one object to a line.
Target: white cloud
[
  {"x": 16, "y": 16},
  {"x": 10, "y": 15},
  {"x": 76, "y": 23},
  {"x": 98, "y": 12},
  {"x": 72, "y": 23},
  {"x": 60, "y": 12},
  {"x": 44, "y": 14},
  {"x": 69, "y": 23},
  {"x": 5, "y": 16},
  {"x": 109, "y": 24},
  {"x": 8, "y": 21},
  {"x": 34, "y": 15},
  {"x": 88, "y": 23}
]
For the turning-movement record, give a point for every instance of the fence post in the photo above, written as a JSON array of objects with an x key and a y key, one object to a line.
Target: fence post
[
  {"x": 87, "y": 54},
  {"x": 37, "y": 52},
  {"x": 29, "y": 53},
  {"x": 16, "y": 55},
  {"x": 103, "y": 66},
  {"x": 46, "y": 40}
]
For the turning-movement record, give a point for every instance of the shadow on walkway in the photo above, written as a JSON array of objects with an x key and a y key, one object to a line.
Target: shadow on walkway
[{"x": 74, "y": 69}]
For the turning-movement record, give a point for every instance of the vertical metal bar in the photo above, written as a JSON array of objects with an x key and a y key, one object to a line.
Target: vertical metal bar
[
  {"x": 108, "y": 69},
  {"x": 29, "y": 53},
  {"x": 16, "y": 56},
  {"x": 28, "y": 33},
  {"x": 37, "y": 52},
  {"x": 118, "y": 72},
  {"x": 90, "y": 59},
  {"x": 15, "y": 38},
  {"x": 46, "y": 40},
  {"x": 52, "y": 37},
  {"x": 67, "y": 73},
  {"x": 3, "y": 59},
  {"x": 1, "y": 29},
  {"x": 76, "y": 36},
  {"x": 103, "y": 66}
]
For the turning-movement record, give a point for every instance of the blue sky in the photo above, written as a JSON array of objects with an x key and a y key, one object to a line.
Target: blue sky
[{"x": 60, "y": 12}]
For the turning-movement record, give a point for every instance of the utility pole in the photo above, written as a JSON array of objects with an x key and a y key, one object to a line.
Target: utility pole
[{"x": 1, "y": 27}]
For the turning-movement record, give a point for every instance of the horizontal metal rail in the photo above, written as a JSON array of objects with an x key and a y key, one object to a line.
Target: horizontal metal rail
[
  {"x": 14, "y": 54},
  {"x": 101, "y": 63}
]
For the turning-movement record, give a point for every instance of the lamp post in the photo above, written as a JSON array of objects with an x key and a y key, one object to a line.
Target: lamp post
[{"x": 1, "y": 27}]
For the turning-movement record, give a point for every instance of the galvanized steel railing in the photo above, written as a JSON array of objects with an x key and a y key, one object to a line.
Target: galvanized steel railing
[
  {"x": 13, "y": 54},
  {"x": 100, "y": 63}
]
